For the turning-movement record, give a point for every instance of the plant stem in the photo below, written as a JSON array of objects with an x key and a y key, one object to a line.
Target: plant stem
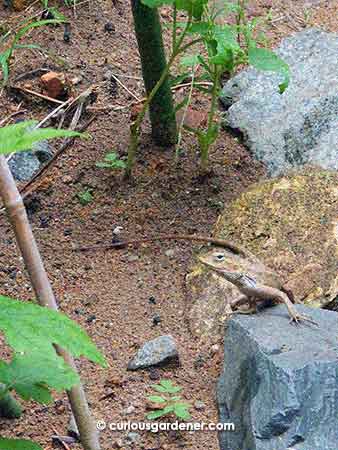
[
  {"x": 135, "y": 127},
  {"x": 148, "y": 33},
  {"x": 214, "y": 98},
  {"x": 26, "y": 242},
  {"x": 174, "y": 27},
  {"x": 9, "y": 407}
]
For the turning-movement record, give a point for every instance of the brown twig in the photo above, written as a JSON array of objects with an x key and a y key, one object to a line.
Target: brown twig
[
  {"x": 37, "y": 94},
  {"x": 8, "y": 118}
]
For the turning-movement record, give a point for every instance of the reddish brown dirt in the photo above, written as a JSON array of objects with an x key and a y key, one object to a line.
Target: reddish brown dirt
[{"x": 108, "y": 292}]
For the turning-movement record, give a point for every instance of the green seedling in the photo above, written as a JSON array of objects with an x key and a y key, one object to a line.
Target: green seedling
[
  {"x": 226, "y": 47},
  {"x": 112, "y": 162},
  {"x": 85, "y": 197},
  {"x": 171, "y": 404},
  {"x": 8, "y": 46}
]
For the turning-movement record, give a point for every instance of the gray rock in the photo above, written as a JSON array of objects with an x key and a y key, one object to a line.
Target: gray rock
[
  {"x": 280, "y": 382},
  {"x": 24, "y": 165},
  {"x": 299, "y": 126},
  {"x": 158, "y": 352}
]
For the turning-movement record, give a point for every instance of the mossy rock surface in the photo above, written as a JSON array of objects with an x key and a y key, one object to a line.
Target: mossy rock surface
[{"x": 291, "y": 225}]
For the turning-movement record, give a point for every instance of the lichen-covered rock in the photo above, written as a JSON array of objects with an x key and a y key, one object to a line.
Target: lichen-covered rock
[
  {"x": 300, "y": 126},
  {"x": 291, "y": 225},
  {"x": 279, "y": 385}
]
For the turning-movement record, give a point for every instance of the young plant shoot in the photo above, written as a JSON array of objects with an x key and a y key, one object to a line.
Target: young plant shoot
[{"x": 225, "y": 46}]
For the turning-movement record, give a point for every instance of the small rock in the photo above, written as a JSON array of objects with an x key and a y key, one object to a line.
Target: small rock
[
  {"x": 154, "y": 374},
  {"x": 156, "y": 319},
  {"x": 199, "y": 405},
  {"x": 67, "y": 179},
  {"x": 199, "y": 361},
  {"x": 133, "y": 437},
  {"x": 109, "y": 27},
  {"x": 91, "y": 318},
  {"x": 170, "y": 252},
  {"x": 129, "y": 410},
  {"x": 152, "y": 300},
  {"x": 77, "y": 80},
  {"x": 214, "y": 349},
  {"x": 53, "y": 84},
  {"x": 32, "y": 204},
  {"x": 132, "y": 258},
  {"x": 159, "y": 351},
  {"x": 117, "y": 230}
]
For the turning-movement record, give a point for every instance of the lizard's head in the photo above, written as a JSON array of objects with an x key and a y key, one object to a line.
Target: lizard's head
[{"x": 222, "y": 262}]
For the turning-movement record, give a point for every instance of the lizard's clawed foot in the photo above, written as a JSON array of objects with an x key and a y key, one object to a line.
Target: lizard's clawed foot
[{"x": 297, "y": 318}]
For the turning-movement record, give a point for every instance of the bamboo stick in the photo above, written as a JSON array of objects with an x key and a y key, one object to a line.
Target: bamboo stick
[{"x": 26, "y": 242}]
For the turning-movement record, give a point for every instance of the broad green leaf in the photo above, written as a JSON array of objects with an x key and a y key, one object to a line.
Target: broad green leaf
[
  {"x": 264, "y": 59},
  {"x": 29, "y": 327},
  {"x": 18, "y": 444},
  {"x": 181, "y": 410},
  {"x": 159, "y": 388},
  {"x": 157, "y": 399},
  {"x": 28, "y": 375},
  {"x": 193, "y": 7},
  {"x": 21, "y": 136}
]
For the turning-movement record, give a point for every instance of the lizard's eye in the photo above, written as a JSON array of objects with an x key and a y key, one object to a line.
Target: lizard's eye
[{"x": 219, "y": 257}]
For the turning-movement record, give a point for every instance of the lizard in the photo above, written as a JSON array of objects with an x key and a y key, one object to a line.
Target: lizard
[{"x": 252, "y": 290}]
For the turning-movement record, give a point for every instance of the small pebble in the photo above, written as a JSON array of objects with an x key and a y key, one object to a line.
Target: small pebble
[
  {"x": 199, "y": 405},
  {"x": 129, "y": 410},
  {"x": 154, "y": 374},
  {"x": 132, "y": 258},
  {"x": 170, "y": 252},
  {"x": 133, "y": 437},
  {"x": 214, "y": 349},
  {"x": 156, "y": 319},
  {"x": 152, "y": 300},
  {"x": 109, "y": 27},
  {"x": 91, "y": 318}
]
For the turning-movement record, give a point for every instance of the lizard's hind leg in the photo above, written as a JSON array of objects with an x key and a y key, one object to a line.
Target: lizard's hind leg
[{"x": 242, "y": 300}]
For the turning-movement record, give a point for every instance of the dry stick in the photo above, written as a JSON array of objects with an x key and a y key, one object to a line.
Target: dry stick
[
  {"x": 7, "y": 119},
  {"x": 45, "y": 296},
  {"x": 37, "y": 94},
  {"x": 125, "y": 88}
]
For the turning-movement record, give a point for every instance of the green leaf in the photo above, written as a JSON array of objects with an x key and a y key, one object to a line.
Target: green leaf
[
  {"x": 157, "y": 399},
  {"x": 18, "y": 444},
  {"x": 194, "y": 7},
  {"x": 170, "y": 387},
  {"x": 156, "y": 414},
  {"x": 29, "y": 376},
  {"x": 85, "y": 197},
  {"x": 189, "y": 60},
  {"x": 181, "y": 410},
  {"x": 28, "y": 46},
  {"x": 28, "y": 327},
  {"x": 264, "y": 59},
  {"x": 36, "y": 24},
  {"x": 21, "y": 136}
]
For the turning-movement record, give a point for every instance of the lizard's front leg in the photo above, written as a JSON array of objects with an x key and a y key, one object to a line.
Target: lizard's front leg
[{"x": 281, "y": 297}]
